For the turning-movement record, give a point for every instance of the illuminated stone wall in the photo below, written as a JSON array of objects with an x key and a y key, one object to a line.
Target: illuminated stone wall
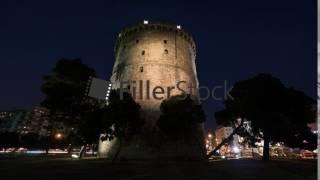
[
  {"x": 163, "y": 54},
  {"x": 160, "y": 53}
]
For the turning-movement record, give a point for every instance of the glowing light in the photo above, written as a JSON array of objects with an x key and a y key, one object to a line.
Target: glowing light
[
  {"x": 236, "y": 149},
  {"x": 74, "y": 156},
  {"x": 178, "y": 27},
  {"x": 223, "y": 157},
  {"x": 210, "y": 136},
  {"x": 35, "y": 152},
  {"x": 57, "y": 151},
  {"x": 145, "y": 22},
  {"x": 58, "y": 135}
]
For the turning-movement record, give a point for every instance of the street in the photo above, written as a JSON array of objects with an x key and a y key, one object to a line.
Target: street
[{"x": 67, "y": 168}]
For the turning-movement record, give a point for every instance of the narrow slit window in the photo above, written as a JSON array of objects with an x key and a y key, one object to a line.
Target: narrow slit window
[
  {"x": 165, "y": 41},
  {"x": 143, "y": 52},
  {"x": 141, "y": 69},
  {"x": 166, "y": 51}
]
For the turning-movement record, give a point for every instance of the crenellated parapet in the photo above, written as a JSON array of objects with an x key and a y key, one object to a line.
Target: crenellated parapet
[{"x": 154, "y": 26}]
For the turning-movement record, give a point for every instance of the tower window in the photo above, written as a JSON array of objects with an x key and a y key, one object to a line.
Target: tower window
[
  {"x": 137, "y": 41},
  {"x": 141, "y": 69},
  {"x": 165, "y": 41},
  {"x": 166, "y": 51},
  {"x": 143, "y": 52}
]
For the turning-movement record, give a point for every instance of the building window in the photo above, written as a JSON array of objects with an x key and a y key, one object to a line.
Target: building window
[
  {"x": 137, "y": 41},
  {"x": 141, "y": 69},
  {"x": 166, "y": 51},
  {"x": 143, "y": 52},
  {"x": 165, "y": 41}
]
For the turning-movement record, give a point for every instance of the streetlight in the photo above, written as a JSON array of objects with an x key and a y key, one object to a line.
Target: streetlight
[{"x": 58, "y": 136}]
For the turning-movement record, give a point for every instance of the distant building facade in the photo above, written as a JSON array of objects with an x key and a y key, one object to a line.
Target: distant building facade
[
  {"x": 223, "y": 132},
  {"x": 24, "y": 122},
  {"x": 10, "y": 120},
  {"x": 36, "y": 123}
]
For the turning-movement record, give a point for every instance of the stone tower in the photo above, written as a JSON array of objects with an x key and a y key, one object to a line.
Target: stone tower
[{"x": 151, "y": 54}]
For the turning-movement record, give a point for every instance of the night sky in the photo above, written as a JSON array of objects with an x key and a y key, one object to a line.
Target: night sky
[{"x": 235, "y": 41}]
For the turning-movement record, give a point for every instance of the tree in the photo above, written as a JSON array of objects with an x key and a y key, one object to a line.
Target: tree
[
  {"x": 8, "y": 140},
  {"x": 65, "y": 90},
  {"x": 180, "y": 117},
  {"x": 277, "y": 112},
  {"x": 122, "y": 119},
  {"x": 181, "y": 122}
]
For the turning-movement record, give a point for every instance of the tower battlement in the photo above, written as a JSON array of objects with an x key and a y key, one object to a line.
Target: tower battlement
[{"x": 154, "y": 26}]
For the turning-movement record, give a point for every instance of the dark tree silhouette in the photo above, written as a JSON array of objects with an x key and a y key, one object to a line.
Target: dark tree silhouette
[
  {"x": 8, "y": 140},
  {"x": 65, "y": 89},
  {"x": 181, "y": 122},
  {"x": 180, "y": 117},
  {"x": 122, "y": 119},
  {"x": 280, "y": 113}
]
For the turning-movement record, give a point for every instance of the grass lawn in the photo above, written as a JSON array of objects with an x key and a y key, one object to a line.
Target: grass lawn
[{"x": 95, "y": 169}]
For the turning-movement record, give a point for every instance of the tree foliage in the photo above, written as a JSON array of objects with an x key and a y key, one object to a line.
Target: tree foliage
[
  {"x": 180, "y": 116},
  {"x": 65, "y": 90},
  {"x": 122, "y": 119},
  {"x": 280, "y": 113},
  {"x": 122, "y": 116}
]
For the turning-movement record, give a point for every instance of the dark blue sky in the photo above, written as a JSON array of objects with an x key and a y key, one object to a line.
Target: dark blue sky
[{"x": 235, "y": 40}]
